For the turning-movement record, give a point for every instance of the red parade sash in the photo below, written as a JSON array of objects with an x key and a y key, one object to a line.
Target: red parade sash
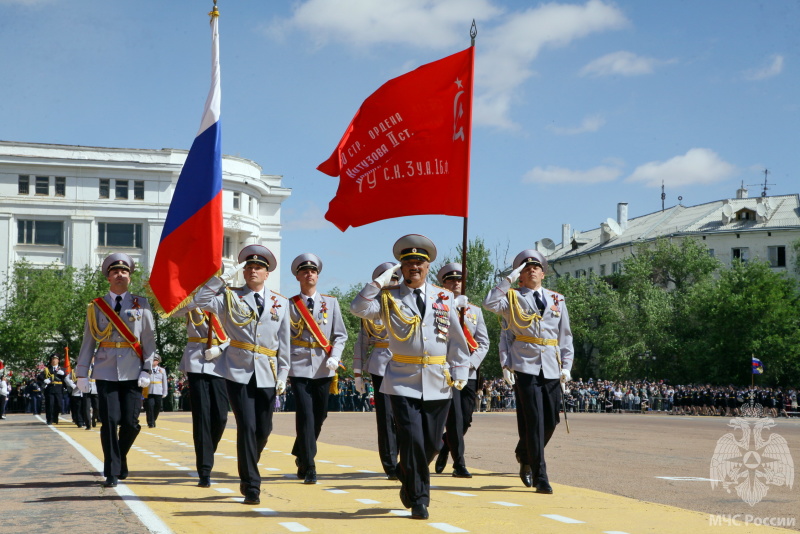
[
  {"x": 215, "y": 327},
  {"x": 311, "y": 323},
  {"x": 120, "y": 325},
  {"x": 473, "y": 345}
]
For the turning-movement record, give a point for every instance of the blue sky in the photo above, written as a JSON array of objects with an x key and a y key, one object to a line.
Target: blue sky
[{"x": 578, "y": 105}]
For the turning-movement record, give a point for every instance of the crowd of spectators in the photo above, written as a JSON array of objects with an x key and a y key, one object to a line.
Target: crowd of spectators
[{"x": 24, "y": 394}]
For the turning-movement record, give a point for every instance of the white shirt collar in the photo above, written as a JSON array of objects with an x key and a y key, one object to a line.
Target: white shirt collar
[
  {"x": 312, "y": 297},
  {"x": 114, "y": 295}
]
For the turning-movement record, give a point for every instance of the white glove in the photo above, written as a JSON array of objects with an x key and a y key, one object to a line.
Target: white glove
[
  {"x": 384, "y": 279},
  {"x": 565, "y": 376},
  {"x": 84, "y": 385},
  {"x": 461, "y": 302},
  {"x": 360, "y": 384},
  {"x": 331, "y": 364},
  {"x": 459, "y": 384},
  {"x": 144, "y": 379},
  {"x": 515, "y": 273},
  {"x": 508, "y": 376},
  {"x": 60, "y": 372},
  {"x": 280, "y": 387},
  {"x": 46, "y": 381},
  {"x": 227, "y": 277},
  {"x": 212, "y": 353}
]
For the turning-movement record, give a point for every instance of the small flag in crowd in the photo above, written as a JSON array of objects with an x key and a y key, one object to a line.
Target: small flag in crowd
[
  {"x": 412, "y": 134},
  {"x": 190, "y": 250},
  {"x": 758, "y": 367}
]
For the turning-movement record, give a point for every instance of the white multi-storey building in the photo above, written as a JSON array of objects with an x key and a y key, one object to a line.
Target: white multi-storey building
[
  {"x": 73, "y": 205},
  {"x": 742, "y": 228}
]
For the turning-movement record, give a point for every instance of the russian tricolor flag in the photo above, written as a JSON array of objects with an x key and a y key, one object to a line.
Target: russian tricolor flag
[
  {"x": 190, "y": 250},
  {"x": 758, "y": 367}
]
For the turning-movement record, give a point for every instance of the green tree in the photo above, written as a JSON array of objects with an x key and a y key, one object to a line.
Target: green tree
[{"x": 351, "y": 322}]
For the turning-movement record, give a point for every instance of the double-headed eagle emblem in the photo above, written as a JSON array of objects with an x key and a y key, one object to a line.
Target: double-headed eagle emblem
[{"x": 751, "y": 463}]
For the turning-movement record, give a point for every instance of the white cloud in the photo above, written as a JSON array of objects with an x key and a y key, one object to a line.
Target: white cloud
[
  {"x": 620, "y": 63},
  {"x": 312, "y": 218},
  {"x": 589, "y": 124},
  {"x": 697, "y": 167},
  {"x": 560, "y": 175},
  {"x": 774, "y": 68},
  {"x": 507, "y": 43}
]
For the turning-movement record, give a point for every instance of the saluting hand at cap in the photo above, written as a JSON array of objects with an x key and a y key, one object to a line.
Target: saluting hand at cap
[{"x": 384, "y": 279}]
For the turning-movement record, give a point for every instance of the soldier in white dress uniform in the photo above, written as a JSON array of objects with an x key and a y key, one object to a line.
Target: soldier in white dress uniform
[
  {"x": 318, "y": 339},
  {"x": 463, "y": 406},
  {"x": 119, "y": 340},
  {"x": 371, "y": 354},
  {"x": 155, "y": 392},
  {"x": 539, "y": 355},
  {"x": 429, "y": 358},
  {"x": 256, "y": 363}
]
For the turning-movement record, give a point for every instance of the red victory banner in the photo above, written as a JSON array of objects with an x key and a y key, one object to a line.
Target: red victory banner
[{"x": 411, "y": 135}]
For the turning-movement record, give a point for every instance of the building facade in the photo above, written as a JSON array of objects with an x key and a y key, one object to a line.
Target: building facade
[
  {"x": 741, "y": 228},
  {"x": 73, "y": 205}
]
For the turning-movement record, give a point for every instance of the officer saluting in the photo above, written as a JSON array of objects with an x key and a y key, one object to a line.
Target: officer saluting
[
  {"x": 119, "y": 338},
  {"x": 461, "y": 409},
  {"x": 371, "y": 353},
  {"x": 256, "y": 362},
  {"x": 429, "y": 357},
  {"x": 318, "y": 339},
  {"x": 539, "y": 354}
]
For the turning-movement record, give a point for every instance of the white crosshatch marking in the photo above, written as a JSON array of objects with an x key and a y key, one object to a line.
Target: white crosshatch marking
[{"x": 561, "y": 518}]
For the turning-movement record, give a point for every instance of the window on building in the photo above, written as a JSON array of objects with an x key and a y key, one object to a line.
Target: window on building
[
  {"x": 121, "y": 189},
  {"x": 776, "y": 256},
  {"x": 119, "y": 235},
  {"x": 42, "y": 185},
  {"x": 40, "y": 232},
  {"x": 61, "y": 186},
  {"x": 24, "y": 184},
  {"x": 603, "y": 270},
  {"x": 237, "y": 201},
  {"x": 741, "y": 253},
  {"x": 227, "y": 247},
  {"x": 105, "y": 186},
  {"x": 711, "y": 252},
  {"x": 138, "y": 190},
  {"x": 616, "y": 267},
  {"x": 591, "y": 271},
  {"x": 580, "y": 273}
]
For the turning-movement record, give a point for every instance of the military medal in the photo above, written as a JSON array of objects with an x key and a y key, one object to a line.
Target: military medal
[
  {"x": 554, "y": 307},
  {"x": 324, "y": 312},
  {"x": 441, "y": 319},
  {"x": 274, "y": 310}
]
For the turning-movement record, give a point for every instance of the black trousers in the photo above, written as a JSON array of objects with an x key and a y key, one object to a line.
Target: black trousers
[
  {"x": 120, "y": 404},
  {"x": 538, "y": 400},
  {"x": 311, "y": 398},
  {"x": 52, "y": 403},
  {"x": 152, "y": 407},
  {"x": 90, "y": 409},
  {"x": 252, "y": 408},
  {"x": 209, "y": 416},
  {"x": 387, "y": 432},
  {"x": 76, "y": 407},
  {"x": 420, "y": 425},
  {"x": 459, "y": 419}
]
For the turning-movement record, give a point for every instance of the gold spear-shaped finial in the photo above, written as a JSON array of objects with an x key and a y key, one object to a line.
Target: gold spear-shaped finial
[{"x": 214, "y": 12}]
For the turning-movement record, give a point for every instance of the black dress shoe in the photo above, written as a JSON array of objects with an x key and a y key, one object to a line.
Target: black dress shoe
[
  {"x": 419, "y": 511},
  {"x": 311, "y": 476},
  {"x": 391, "y": 474},
  {"x": 88, "y": 428},
  {"x": 543, "y": 486},
  {"x": 204, "y": 482},
  {"x": 441, "y": 463},
  {"x": 526, "y": 475},
  {"x": 404, "y": 498},
  {"x": 111, "y": 482},
  {"x": 252, "y": 497},
  {"x": 301, "y": 471},
  {"x": 460, "y": 471}
]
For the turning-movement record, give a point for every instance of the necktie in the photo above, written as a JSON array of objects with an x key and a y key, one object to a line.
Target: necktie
[
  {"x": 310, "y": 303},
  {"x": 259, "y": 304},
  {"x": 118, "y": 307},
  {"x": 420, "y": 302},
  {"x": 539, "y": 302}
]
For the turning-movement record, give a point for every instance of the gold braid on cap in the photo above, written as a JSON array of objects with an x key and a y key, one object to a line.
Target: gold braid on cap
[
  {"x": 516, "y": 314},
  {"x": 389, "y": 304},
  {"x": 237, "y": 309},
  {"x": 94, "y": 330}
]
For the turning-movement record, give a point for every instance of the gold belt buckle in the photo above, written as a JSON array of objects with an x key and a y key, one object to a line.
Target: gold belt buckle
[
  {"x": 118, "y": 344},
  {"x": 425, "y": 360}
]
